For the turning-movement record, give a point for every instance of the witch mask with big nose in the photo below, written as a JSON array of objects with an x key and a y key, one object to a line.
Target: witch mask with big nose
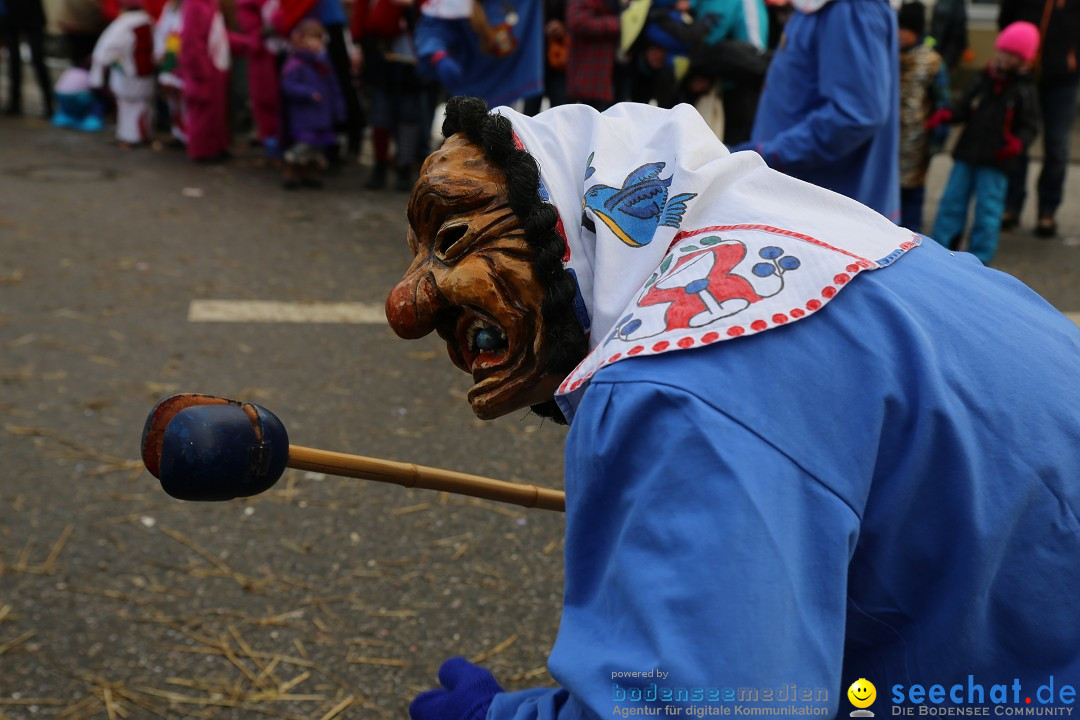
[{"x": 472, "y": 280}]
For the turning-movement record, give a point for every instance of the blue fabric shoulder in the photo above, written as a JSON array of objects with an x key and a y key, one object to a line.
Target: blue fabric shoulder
[{"x": 892, "y": 484}]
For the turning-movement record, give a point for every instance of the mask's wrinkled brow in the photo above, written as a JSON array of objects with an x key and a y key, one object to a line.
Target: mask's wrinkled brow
[{"x": 437, "y": 196}]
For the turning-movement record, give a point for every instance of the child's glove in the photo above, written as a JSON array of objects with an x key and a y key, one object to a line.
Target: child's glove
[
  {"x": 448, "y": 69},
  {"x": 1010, "y": 148},
  {"x": 938, "y": 117},
  {"x": 466, "y": 694}
]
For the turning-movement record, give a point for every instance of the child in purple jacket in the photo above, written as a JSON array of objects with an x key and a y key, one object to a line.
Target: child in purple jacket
[{"x": 313, "y": 104}]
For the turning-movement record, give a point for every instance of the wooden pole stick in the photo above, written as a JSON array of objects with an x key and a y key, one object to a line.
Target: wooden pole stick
[{"x": 428, "y": 478}]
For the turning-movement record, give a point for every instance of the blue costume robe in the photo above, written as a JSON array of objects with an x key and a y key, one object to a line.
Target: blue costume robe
[
  {"x": 497, "y": 80},
  {"x": 830, "y": 112},
  {"x": 856, "y": 495}
]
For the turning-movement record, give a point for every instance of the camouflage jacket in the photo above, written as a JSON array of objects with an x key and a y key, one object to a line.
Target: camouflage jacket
[{"x": 923, "y": 89}]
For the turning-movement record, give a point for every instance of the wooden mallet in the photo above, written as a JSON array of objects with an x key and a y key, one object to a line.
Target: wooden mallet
[{"x": 203, "y": 447}]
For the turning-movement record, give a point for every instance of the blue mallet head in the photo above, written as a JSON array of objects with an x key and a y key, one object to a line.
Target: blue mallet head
[{"x": 203, "y": 447}]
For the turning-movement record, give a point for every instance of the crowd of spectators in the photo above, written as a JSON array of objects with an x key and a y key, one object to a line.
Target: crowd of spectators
[{"x": 852, "y": 95}]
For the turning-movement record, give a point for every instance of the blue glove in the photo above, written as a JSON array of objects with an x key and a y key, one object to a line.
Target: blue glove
[{"x": 467, "y": 694}]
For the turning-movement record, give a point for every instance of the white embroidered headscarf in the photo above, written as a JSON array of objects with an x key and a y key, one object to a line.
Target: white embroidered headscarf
[{"x": 676, "y": 243}]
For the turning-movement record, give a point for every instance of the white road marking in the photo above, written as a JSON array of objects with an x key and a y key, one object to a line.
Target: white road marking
[{"x": 267, "y": 311}]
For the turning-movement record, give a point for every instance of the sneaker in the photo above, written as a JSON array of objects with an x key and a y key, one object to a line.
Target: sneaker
[
  {"x": 272, "y": 148},
  {"x": 62, "y": 120},
  {"x": 91, "y": 123}
]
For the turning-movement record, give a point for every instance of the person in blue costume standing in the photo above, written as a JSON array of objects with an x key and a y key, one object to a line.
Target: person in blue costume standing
[
  {"x": 488, "y": 48},
  {"x": 829, "y": 112},
  {"x": 807, "y": 448}
]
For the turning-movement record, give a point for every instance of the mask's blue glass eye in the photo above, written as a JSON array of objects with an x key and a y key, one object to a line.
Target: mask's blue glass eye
[{"x": 487, "y": 339}]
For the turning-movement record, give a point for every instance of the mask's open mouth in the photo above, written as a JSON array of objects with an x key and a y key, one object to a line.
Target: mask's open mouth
[
  {"x": 503, "y": 370},
  {"x": 481, "y": 345}
]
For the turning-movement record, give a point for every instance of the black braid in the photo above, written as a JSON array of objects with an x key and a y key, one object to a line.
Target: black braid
[{"x": 494, "y": 135}]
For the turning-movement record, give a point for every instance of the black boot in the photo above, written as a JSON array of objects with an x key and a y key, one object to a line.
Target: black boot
[
  {"x": 377, "y": 179},
  {"x": 404, "y": 179}
]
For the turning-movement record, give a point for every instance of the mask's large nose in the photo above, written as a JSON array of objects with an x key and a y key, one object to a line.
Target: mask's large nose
[{"x": 411, "y": 305}]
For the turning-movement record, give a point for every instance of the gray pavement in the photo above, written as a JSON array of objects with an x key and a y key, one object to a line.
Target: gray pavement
[
  {"x": 322, "y": 594},
  {"x": 324, "y": 598},
  {"x": 1051, "y": 267}
]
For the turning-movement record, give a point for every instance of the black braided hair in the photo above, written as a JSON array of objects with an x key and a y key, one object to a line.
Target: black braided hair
[{"x": 493, "y": 134}]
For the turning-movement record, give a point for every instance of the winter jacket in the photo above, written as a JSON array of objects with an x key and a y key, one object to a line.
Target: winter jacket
[
  {"x": 1059, "y": 25},
  {"x": 948, "y": 27},
  {"x": 993, "y": 107},
  {"x": 313, "y": 101},
  {"x": 733, "y": 20},
  {"x": 923, "y": 89},
  {"x": 594, "y": 38},
  {"x": 204, "y": 51},
  {"x": 377, "y": 18}
]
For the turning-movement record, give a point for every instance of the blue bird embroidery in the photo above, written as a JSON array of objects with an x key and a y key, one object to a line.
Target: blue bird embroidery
[{"x": 634, "y": 211}]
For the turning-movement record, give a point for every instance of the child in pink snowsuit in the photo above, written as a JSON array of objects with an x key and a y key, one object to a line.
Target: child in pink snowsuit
[
  {"x": 204, "y": 65},
  {"x": 262, "y": 71}
]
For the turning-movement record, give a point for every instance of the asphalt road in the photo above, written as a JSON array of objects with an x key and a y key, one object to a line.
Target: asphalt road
[
  {"x": 324, "y": 598},
  {"x": 324, "y": 594}
]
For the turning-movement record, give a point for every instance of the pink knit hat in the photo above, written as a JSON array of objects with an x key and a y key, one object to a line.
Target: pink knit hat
[{"x": 1020, "y": 38}]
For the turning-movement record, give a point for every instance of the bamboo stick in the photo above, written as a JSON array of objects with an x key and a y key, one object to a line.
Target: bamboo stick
[{"x": 428, "y": 478}]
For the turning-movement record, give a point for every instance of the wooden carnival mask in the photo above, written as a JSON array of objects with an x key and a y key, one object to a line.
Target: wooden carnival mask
[{"x": 472, "y": 281}]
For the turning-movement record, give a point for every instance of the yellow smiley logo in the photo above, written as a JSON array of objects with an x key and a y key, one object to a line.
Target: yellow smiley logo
[{"x": 862, "y": 693}]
